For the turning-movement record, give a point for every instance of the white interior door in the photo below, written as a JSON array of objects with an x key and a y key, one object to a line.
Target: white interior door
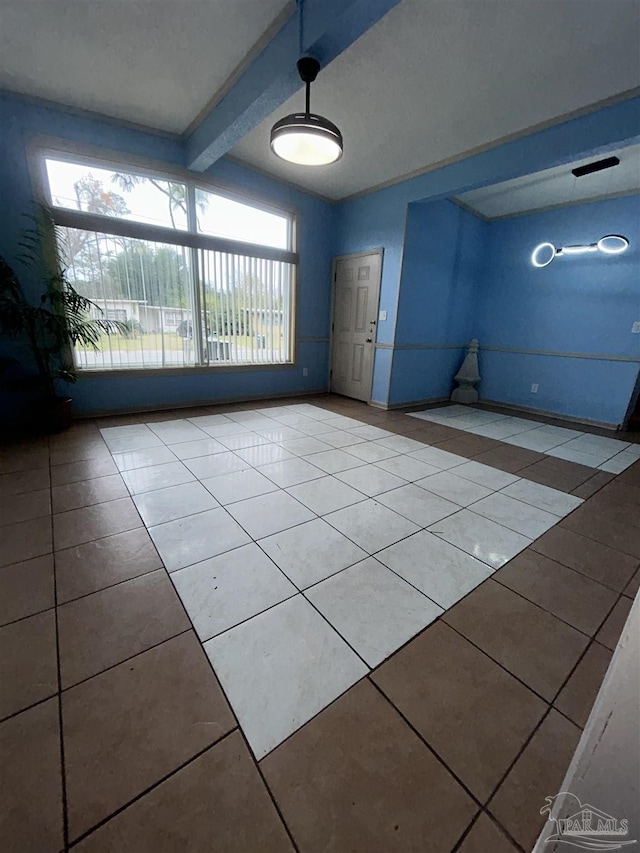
[{"x": 355, "y": 314}]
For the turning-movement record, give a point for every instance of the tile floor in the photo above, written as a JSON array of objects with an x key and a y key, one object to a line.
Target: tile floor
[
  {"x": 596, "y": 451},
  {"x": 229, "y": 628}
]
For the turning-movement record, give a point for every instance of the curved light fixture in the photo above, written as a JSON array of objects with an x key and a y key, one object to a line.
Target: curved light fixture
[
  {"x": 543, "y": 254},
  {"x": 613, "y": 244},
  {"x": 610, "y": 244},
  {"x": 305, "y": 138}
]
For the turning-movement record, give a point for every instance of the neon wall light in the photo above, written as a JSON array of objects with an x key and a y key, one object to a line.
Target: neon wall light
[{"x": 610, "y": 244}]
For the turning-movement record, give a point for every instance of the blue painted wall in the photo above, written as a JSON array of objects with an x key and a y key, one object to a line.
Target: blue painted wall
[
  {"x": 441, "y": 268},
  {"x": 21, "y": 119},
  {"x": 580, "y": 304},
  {"x": 377, "y": 219},
  {"x": 441, "y": 274},
  {"x": 440, "y": 286}
]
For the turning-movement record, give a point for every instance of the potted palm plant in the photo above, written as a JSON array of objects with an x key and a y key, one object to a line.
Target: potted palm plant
[{"x": 49, "y": 329}]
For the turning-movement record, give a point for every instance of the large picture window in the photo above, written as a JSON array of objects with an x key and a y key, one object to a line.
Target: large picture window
[{"x": 199, "y": 278}]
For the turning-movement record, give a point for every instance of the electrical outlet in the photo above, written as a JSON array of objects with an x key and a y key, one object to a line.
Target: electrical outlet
[
  {"x": 534, "y": 388},
  {"x": 305, "y": 372},
  {"x": 636, "y": 328}
]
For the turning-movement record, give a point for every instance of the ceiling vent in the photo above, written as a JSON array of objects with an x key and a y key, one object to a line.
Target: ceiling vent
[{"x": 598, "y": 166}]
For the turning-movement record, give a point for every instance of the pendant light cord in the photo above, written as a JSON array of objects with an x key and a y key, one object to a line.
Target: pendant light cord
[
  {"x": 300, "y": 27},
  {"x": 301, "y": 53}
]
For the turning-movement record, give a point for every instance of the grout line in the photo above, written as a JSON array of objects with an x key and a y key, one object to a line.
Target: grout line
[
  {"x": 124, "y": 660},
  {"x": 317, "y": 714},
  {"x": 150, "y": 788},
  {"x": 26, "y": 491},
  {"x": 270, "y": 793},
  {"x": 342, "y": 637},
  {"x": 90, "y": 504},
  {"x": 117, "y": 583},
  {"x": 248, "y": 618},
  {"x": 487, "y": 814},
  {"x": 497, "y": 662},
  {"x": 29, "y": 615},
  {"x": 28, "y": 559},
  {"x": 546, "y": 714},
  {"x": 592, "y": 639},
  {"x": 82, "y": 480},
  {"x": 100, "y": 538},
  {"x": 537, "y": 604},
  {"x": 468, "y": 831},
  {"x": 570, "y": 676},
  {"x": 149, "y": 527},
  {"x": 63, "y": 773},
  {"x": 579, "y": 571},
  {"x": 505, "y": 775},
  {"x": 431, "y": 749},
  {"x": 29, "y": 707}
]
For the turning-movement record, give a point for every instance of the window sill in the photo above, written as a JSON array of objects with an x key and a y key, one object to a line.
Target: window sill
[{"x": 148, "y": 372}]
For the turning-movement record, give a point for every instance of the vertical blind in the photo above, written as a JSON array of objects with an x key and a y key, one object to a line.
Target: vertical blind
[
  {"x": 245, "y": 303},
  {"x": 198, "y": 279}
]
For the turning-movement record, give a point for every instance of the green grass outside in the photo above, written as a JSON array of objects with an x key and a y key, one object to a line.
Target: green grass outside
[{"x": 172, "y": 342}]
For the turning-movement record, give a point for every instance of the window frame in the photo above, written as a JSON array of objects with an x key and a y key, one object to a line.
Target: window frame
[{"x": 39, "y": 149}]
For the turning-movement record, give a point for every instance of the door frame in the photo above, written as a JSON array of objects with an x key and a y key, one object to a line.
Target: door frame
[{"x": 378, "y": 251}]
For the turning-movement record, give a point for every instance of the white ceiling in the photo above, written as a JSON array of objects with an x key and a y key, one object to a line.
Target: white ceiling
[
  {"x": 430, "y": 81},
  {"x": 436, "y": 78},
  {"x": 152, "y": 62},
  {"x": 557, "y": 186}
]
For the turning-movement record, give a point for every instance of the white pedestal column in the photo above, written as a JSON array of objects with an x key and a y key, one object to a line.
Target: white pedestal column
[{"x": 468, "y": 377}]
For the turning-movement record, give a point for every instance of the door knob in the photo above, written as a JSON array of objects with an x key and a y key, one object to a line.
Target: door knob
[{"x": 369, "y": 340}]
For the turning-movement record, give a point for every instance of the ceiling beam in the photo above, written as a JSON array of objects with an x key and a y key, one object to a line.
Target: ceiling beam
[{"x": 330, "y": 27}]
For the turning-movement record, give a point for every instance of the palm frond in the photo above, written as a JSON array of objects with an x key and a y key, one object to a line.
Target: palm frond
[
  {"x": 68, "y": 374},
  {"x": 61, "y": 319}
]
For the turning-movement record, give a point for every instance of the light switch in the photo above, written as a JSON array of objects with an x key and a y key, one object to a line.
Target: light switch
[
  {"x": 636, "y": 327},
  {"x": 383, "y": 316}
]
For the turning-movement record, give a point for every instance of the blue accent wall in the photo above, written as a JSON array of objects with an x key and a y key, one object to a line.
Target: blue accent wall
[
  {"x": 21, "y": 119},
  {"x": 579, "y": 304},
  {"x": 377, "y": 219}
]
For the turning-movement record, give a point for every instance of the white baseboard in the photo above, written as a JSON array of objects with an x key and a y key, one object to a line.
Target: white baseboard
[{"x": 569, "y": 418}]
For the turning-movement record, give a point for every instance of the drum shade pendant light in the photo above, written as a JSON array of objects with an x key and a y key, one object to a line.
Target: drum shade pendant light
[{"x": 305, "y": 138}]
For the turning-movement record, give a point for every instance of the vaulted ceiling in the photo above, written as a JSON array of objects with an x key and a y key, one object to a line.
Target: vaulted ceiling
[
  {"x": 151, "y": 62},
  {"x": 429, "y": 82}
]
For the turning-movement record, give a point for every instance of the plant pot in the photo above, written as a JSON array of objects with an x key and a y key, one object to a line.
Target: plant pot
[
  {"x": 51, "y": 414},
  {"x": 60, "y": 413}
]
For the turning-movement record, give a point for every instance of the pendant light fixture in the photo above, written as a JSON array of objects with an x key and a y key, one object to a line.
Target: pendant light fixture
[{"x": 305, "y": 138}]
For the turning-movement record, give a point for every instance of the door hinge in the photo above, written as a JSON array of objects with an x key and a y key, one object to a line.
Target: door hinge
[{"x": 335, "y": 276}]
